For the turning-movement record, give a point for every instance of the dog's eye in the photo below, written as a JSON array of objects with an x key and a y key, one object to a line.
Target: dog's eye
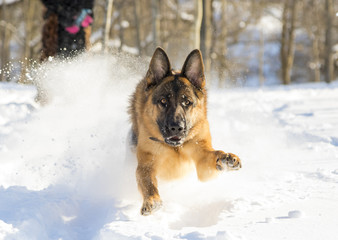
[
  {"x": 186, "y": 103},
  {"x": 163, "y": 101}
]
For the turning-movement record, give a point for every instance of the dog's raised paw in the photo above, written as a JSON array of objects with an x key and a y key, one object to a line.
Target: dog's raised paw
[
  {"x": 229, "y": 160},
  {"x": 150, "y": 205}
]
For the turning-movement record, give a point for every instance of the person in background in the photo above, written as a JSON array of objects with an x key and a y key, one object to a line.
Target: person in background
[{"x": 66, "y": 30}]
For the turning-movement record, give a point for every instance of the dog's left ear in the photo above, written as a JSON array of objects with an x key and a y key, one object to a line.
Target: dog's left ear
[{"x": 193, "y": 69}]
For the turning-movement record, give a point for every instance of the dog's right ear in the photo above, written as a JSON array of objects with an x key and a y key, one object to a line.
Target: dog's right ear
[{"x": 159, "y": 68}]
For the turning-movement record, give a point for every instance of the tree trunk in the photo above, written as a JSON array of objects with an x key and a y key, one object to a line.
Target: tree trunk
[
  {"x": 222, "y": 50},
  {"x": 315, "y": 50},
  {"x": 120, "y": 21},
  {"x": 109, "y": 11},
  {"x": 284, "y": 41},
  {"x": 328, "y": 41},
  {"x": 206, "y": 34},
  {"x": 261, "y": 59},
  {"x": 198, "y": 22},
  {"x": 156, "y": 23},
  {"x": 287, "y": 41},
  {"x": 28, "y": 17},
  {"x": 5, "y": 41},
  {"x": 137, "y": 19},
  {"x": 312, "y": 22},
  {"x": 164, "y": 36}
]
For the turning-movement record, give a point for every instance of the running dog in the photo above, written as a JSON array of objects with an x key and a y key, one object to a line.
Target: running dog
[{"x": 170, "y": 130}]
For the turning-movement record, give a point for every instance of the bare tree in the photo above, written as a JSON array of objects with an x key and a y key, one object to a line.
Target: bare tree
[
  {"x": 206, "y": 26},
  {"x": 198, "y": 22},
  {"x": 312, "y": 23},
  {"x": 108, "y": 20},
  {"x": 155, "y": 23},
  {"x": 27, "y": 54},
  {"x": 120, "y": 20},
  {"x": 287, "y": 40},
  {"x": 5, "y": 39},
  {"x": 220, "y": 51},
  {"x": 261, "y": 59},
  {"x": 328, "y": 41},
  {"x": 137, "y": 19}
]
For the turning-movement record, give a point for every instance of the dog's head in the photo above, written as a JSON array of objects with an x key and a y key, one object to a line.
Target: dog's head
[{"x": 177, "y": 97}]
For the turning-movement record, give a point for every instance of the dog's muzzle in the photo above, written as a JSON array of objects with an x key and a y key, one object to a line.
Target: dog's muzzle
[{"x": 175, "y": 133}]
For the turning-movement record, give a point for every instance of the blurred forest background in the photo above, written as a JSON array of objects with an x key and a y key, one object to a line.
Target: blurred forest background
[{"x": 244, "y": 43}]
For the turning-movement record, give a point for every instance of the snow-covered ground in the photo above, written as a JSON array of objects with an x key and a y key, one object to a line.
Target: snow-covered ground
[{"x": 66, "y": 173}]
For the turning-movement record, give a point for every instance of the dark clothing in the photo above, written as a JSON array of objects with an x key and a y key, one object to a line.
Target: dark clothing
[
  {"x": 67, "y": 11},
  {"x": 70, "y": 44},
  {"x": 69, "y": 3}
]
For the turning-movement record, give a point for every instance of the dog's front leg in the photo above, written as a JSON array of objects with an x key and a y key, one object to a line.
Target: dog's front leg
[
  {"x": 147, "y": 183},
  {"x": 209, "y": 163}
]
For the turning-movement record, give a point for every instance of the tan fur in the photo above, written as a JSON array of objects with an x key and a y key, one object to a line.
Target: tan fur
[{"x": 156, "y": 159}]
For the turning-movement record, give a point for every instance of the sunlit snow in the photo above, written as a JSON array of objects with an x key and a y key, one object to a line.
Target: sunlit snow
[{"x": 67, "y": 173}]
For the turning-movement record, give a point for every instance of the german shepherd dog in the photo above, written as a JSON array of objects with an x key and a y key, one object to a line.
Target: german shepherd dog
[{"x": 170, "y": 130}]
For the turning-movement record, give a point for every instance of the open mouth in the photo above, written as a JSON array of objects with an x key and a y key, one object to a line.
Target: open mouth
[{"x": 174, "y": 141}]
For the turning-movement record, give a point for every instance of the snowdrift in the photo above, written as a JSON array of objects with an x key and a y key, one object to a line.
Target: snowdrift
[{"x": 67, "y": 172}]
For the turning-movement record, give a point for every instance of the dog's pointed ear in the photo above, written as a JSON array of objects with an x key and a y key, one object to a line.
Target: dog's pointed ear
[
  {"x": 159, "y": 67},
  {"x": 193, "y": 69}
]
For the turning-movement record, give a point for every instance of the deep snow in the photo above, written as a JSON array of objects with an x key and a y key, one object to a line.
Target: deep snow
[{"x": 66, "y": 172}]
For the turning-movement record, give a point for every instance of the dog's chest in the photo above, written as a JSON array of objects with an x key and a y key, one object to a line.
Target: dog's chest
[{"x": 172, "y": 164}]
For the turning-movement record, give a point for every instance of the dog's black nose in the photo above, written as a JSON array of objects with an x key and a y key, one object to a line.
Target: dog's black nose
[{"x": 176, "y": 128}]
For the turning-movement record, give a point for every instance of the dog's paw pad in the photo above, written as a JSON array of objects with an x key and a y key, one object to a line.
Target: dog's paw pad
[{"x": 231, "y": 161}]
